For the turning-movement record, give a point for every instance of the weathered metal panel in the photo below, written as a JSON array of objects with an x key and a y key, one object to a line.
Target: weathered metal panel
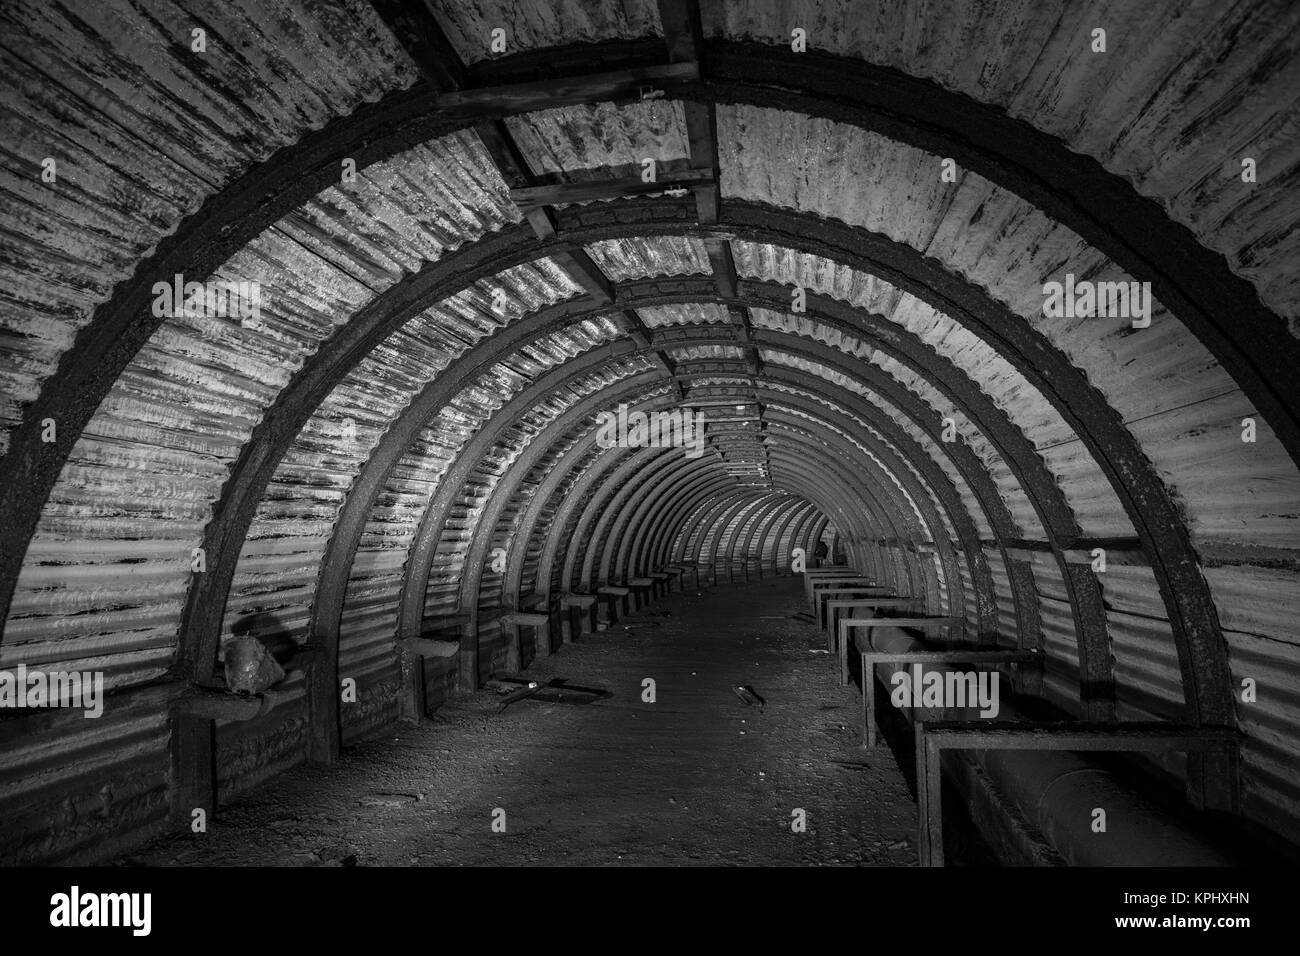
[
  {"x": 1039, "y": 69},
  {"x": 623, "y": 260},
  {"x": 281, "y": 557},
  {"x": 603, "y": 141},
  {"x": 528, "y": 25}
]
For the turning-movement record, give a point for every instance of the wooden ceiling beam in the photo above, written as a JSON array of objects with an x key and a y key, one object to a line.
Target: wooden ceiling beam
[
  {"x": 551, "y": 194},
  {"x": 684, "y": 37}
]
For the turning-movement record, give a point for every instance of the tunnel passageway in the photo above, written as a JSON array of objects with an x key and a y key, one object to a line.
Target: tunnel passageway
[
  {"x": 697, "y": 777},
  {"x": 352, "y": 351}
]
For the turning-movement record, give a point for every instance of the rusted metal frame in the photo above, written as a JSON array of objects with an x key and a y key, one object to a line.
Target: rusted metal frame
[
  {"x": 708, "y": 519},
  {"x": 672, "y": 508},
  {"x": 640, "y": 390},
  {"x": 693, "y": 519},
  {"x": 422, "y": 37},
  {"x": 425, "y": 543},
  {"x": 595, "y": 563},
  {"x": 827, "y": 501},
  {"x": 926, "y": 500},
  {"x": 731, "y": 513},
  {"x": 1028, "y": 468},
  {"x": 924, "y": 418},
  {"x": 817, "y": 481},
  {"x": 467, "y": 673},
  {"x": 775, "y": 527},
  {"x": 584, "y": 460},
  {"x": 799, "y": 532},
  {"x": 695, "y": 529},
  {"x": 731, "y": 493},
  {"x": 547, "y": 490},
  {"x": 885, "y": 511},
  {"x": 820, "y": 224},
  {"x": 201, "y": 617},
  {"x": 744, "y": 522},
  {"x": 1147, "y": 501},
  {"x": 120, "y": 327},
  {"x": 583, "y": 543},
  {"x": 849, "y": 481},
  {"x": 756, "y": 524},
  {"x": 546, "y": 195},
  {"x": 561, "y": 537},
  {"x": 654, "y": 546},
  {"x": 1029, "y": 626},
  {"x": 848, "y": 624},
  {"x": 584, "y": 271},
  {"x": 738, "y": 552},
  {"x": 937, "y": 736},
  {"x": 1190, "y": 279},
  {"x": 590, "y": 468},
  {"x": 723, "y": 266},
  {"x": 1195, "y": 283},
  {"x": 1097, "y": 688},
  {"x": 669, "y": 528},
  {"x": 795, "y": 514},
  {"x": 831, "y": 604},
  {"x": 869, "y": 660},
  {"x": 622, "y": 556},
  {"x": 751, "y": 548},
  {"x": 507, "y": 489},
  {"x": 735, "y": 520},
  {"x": 623, "y": 534},
  {"x": 428, "y": 535},
  {"x": 226, "y": 222},
  {"x": 905, "y": 449},
  {"x": 736, "y": 555},
  {"x": 369, "y": 484}
]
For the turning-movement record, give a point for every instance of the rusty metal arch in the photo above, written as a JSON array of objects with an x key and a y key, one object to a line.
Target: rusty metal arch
[
  {"x": 934, "y": 283},
  {"x": 432, "y": 521},
  {"x": 846, "y": 369},
  {"x": 424, "y": 545},
  {"x": 1193, "y": 281},
  {"x": 823, "y": 492},
  {"x": 778, "y": 532},
  {"x": 680, "y": 495},
  {"x": 558, "y": 537},
  {"x": 589, "y": 468},
  {"x": 761, "y": 532},
  {"x": 930, "y": 519},
  {"x": 760, "y": 521},
  {"x": 505, "y": 484},
  {"x": 868, "y": 499},
  {"x": 1243, "y": 375}
]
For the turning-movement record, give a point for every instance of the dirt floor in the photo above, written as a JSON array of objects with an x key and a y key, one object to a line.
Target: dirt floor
[{"x": 697, "y": 777}]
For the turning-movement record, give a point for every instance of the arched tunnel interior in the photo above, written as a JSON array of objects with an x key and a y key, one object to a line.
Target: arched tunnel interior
[{"x": 667, "y": 431}]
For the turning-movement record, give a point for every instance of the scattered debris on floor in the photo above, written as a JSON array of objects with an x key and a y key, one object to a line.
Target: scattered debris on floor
[
  {"x": 686, "y": 780},
  {"x": 557, "y": 690}
]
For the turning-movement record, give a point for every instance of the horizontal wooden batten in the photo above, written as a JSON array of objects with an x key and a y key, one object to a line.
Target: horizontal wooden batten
[
  {"x": 614, "y": 86},
  {"x": 532, "y": 197}
]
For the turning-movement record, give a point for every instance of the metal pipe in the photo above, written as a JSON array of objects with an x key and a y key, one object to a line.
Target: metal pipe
[{"x": 1059, "y": 791}]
